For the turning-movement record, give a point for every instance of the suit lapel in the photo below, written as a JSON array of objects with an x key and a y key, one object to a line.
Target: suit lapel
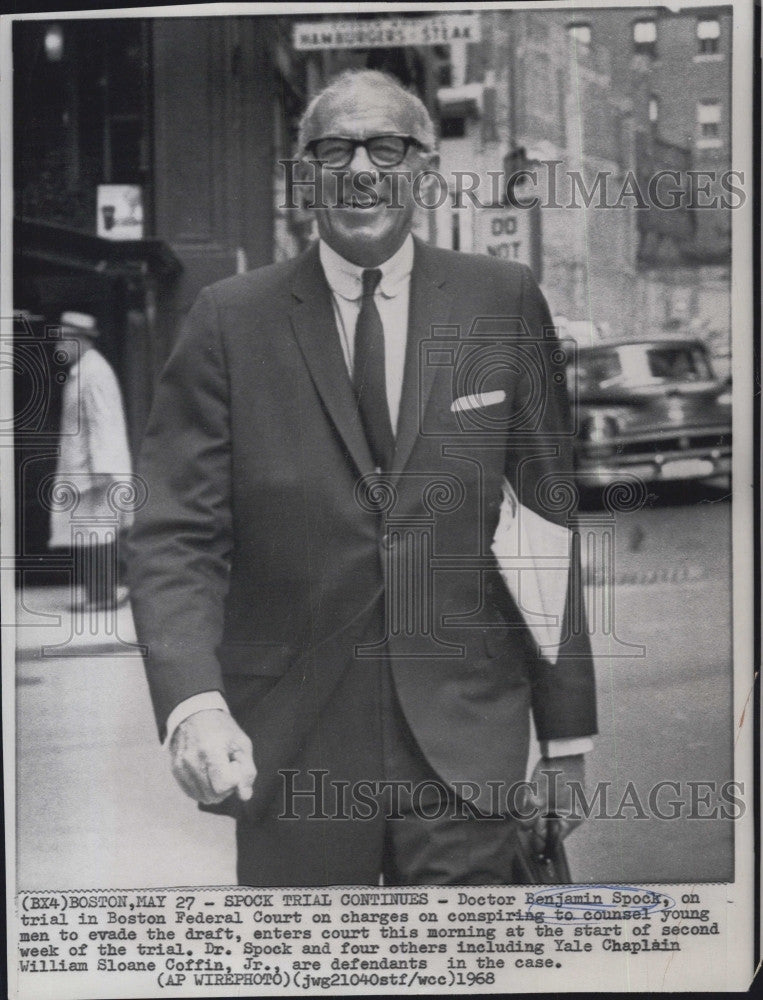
[
  {"x": 315, "y": 329},
  {"x": 431, "y": 300}
]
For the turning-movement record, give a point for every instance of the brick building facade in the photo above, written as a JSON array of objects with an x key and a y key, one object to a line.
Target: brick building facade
[{"x": 620, "y": 95}]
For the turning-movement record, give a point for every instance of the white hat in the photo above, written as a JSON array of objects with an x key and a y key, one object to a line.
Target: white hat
[{"x": 78, "y": 322}]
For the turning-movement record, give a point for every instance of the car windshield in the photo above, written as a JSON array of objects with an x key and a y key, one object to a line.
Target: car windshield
[
  {"x": 642, "y": 364},
  {"x": 600, "y": 369},
  {"x": 679, "y": 364}
]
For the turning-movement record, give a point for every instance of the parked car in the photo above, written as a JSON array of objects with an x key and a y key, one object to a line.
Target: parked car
[{"x": 652, "y": 408}]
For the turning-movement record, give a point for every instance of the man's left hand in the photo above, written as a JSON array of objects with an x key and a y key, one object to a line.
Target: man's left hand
[{"x": 553, "y": 797}]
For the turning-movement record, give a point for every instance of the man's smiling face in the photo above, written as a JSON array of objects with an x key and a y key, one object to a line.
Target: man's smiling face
[{"x": 369, "y": 212}]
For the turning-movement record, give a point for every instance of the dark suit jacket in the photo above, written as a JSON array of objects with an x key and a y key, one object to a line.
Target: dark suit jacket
[{"x": 260, "y": 560}]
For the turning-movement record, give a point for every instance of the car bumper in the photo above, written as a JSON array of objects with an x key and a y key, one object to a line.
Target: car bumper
[{"x": 659, "y": 468}]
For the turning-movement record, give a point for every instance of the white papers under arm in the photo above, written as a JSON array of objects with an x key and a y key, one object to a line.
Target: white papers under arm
[{"x": 533, "y": 557}]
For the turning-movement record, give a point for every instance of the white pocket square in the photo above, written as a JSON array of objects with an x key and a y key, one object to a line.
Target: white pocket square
[{"x": 477, "y": 400}]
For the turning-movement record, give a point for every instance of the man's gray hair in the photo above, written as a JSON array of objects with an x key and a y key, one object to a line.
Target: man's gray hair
[{"x": 374, "y": 79}]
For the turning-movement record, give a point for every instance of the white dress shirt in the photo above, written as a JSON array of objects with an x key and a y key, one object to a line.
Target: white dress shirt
[{"x": 392, "y": 298}]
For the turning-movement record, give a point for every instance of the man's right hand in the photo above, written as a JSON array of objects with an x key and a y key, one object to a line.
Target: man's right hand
[{"x": 212, "y": 756}]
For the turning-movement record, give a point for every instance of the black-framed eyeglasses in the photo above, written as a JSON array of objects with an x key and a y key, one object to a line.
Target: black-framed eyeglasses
[{"x": 384, "y": 151}]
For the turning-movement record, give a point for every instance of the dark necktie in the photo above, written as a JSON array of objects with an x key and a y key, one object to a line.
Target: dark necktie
[{"x": 369, "y": 378}]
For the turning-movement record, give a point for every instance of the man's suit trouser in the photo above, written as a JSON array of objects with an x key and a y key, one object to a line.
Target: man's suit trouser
[
  {"x": 415, "y": 831},
  {"x": 439, "y": 840}
]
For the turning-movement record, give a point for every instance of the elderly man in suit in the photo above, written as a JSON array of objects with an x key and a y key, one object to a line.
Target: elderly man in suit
[{"x": 333, "y": 655}]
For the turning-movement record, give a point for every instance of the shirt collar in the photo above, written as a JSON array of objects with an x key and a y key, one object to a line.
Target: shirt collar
[{"x": 346, "y": 280}]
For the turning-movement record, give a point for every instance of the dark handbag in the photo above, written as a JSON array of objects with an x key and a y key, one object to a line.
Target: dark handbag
[{"x": 547, "y": 867}]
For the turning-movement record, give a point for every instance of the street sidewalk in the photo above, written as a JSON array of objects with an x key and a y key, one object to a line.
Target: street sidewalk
[
  {"x": 97, "y": 807},
  {"x": 46, "y": 625}
]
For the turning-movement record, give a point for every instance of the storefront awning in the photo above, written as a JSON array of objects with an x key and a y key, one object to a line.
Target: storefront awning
[{"x": 40, "y": 244}]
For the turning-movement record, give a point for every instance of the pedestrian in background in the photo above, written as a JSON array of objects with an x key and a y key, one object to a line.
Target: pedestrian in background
[{"x": 93, "y": 457}]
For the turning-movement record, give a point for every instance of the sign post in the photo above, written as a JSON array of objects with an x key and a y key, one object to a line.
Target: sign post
[
  {"x": 511, "y": 234},
  {"x": 120, "y": 212}
]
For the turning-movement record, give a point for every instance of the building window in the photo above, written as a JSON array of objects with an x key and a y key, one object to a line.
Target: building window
[
  {"x": 579, "y": 34},
  {"x": 708, "y": 120},
  {"x": 654, "y": 109},
  {"x": 708, "y": 36},
  {"x": 453, "y": 128},
  {"x": 81, "y": 102},
  {"x": 645, "y": 38},
  {"x": 442, "y": 65}
]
